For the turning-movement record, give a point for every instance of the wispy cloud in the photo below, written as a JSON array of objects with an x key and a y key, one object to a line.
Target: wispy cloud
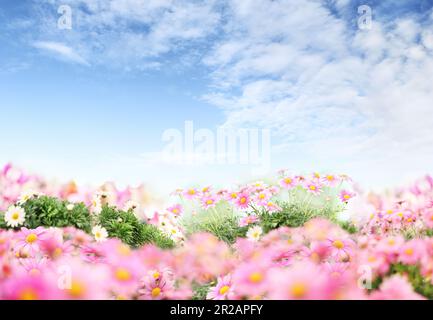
[
  {"x": 61, "y": 51},
  {"x": 335, "y": 94}
]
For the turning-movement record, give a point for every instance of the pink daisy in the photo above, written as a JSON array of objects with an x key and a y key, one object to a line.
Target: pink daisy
[
  {"x": 243, "y": 200},
  {"x": 31, "y": 239},
  {"x": 223, "y": 290},
  {"x": 345, "y": 196}
]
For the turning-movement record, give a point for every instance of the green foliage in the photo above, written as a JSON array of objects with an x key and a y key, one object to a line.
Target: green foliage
[
  {"x": 200, "y": 291},
  {"x": 125, "y": 226},
  {"x": 222, "y": 221},
  {"x": 292, "y": 215},
  {"x": 348, "y": 226},
  {"x": 52, "y": 212},
  {"x": 420, "y": 284}
]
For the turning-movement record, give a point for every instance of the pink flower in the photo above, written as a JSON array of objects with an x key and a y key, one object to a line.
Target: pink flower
[
  {"x": 54, "y": 246},
  {"x": 30, "y": 287},
  {"x": 288, "y": 182},
  {"x": 208, "y": 202},
  {"x": 251, "y": 279},
  {"x": 331, "y": 180},
  {"x": 34, "y": 266},
  {"x": 313, "y": 187},
  {"x": 92, "y": 253},
  {"x": 83, "y": 281},
  {"x": 341, "y": 249},
  {"x": 31, "y": 239},
  {"x": 191, "y": 193},
  {"x": 232, "y": 196},
  {"x": 223, "y": 290},
  {"x": 262, "y": 197},
  {"x": 272, "y": 207},
  {"x": 396, "y": 287},
  {"x": 156, "y": 286},
  {"x": 243, "y": 200},
  {"x": 411, "y": 252},
  {"x": 428, "y": 218},
  {"x": 303, "y": 281},
  {"x": 250, "y": 219},
  {"x": 176, "y": 209},
  {"x": 345, "y": 195}
]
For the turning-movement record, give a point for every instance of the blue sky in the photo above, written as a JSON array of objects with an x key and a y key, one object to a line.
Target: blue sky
[{"x": 92, "y": 102}]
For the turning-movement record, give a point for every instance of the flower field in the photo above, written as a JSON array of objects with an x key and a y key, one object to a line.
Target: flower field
[{"x": 290, "y": 237}]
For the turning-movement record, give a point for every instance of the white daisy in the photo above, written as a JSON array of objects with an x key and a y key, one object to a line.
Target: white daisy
[
  {"x": 254, "y": 233},
  {"x": 27, "y": 195},
  {"x": 99, "y": 233},
  {"x": 131, "y": 205},
  {"x": 96, "y": 205},
  {"x": 15, "y": 216},
  {"x": 70, "y": 207}
]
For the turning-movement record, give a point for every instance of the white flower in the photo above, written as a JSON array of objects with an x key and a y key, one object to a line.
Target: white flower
[
  {"x": 99, "y": 233},
  {"x": 15, "y": 216},
  {"x": 96, "y": 205},
  {"x": 173, "y": 232},
  {"x": 131, "y": 205},
  {"x": 254, "y": 233},
  {"x": 70, "y": 207},
  {"x": 27, "y": 195}
]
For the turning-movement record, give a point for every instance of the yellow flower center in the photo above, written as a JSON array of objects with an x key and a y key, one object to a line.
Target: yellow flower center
[
  {"x": 28, "y": 294},
  {"x": 312, "y": 187},
  {"x": 156, "y": 275},
  {"x": 175, "y": 211},
  {"x": 262, "y": 196},
  {"x": 243, "y": 200},
  {"x": 123, "y": 274},
  {"x": 209, "y": 201},
  {"x": 409, "y": 251},
  {"x": 156, "y": 292},
  {"x": 391, "y": 242},
  {"x": 15, "y": 216},
  {"x": 31, "y": 238},
  {"x": 124, "y": 250},
  {"x": 224, "y": 289},
  {"x": 256, "y": 277},
  {"x": 191, "y": 191},
  {"x": 57, "y": 252},
  {"x": 315, "y": 257},
  {"x": 233, "y": 195},
  {"x": 77, "y": 289},
  {"x": 34, "y": 272},
  {"x": 298, "y": 290},
  {"x": 288, "y": 180},
  {"x": 338, "y": 244},
  {"x": 371, "y": 259},
  {"x": 330, "y": 178},
  {"x": 346, "y": 196}
]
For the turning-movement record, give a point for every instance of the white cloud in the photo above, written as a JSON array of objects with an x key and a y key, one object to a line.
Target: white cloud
[
  {"x": 61, "y": 51},
  {"x": 341, "y": 97},
  {"x": 130, "y": 33},
  {"x": 346, "y": 98}
]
